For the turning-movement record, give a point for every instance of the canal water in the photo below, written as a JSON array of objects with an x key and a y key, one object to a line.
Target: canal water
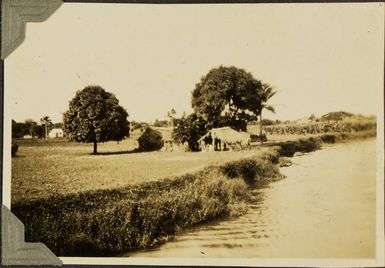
[{"x": 324, "y": 208}]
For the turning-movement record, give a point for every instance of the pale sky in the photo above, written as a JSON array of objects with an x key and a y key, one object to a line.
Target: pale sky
[{"x": 319, "y": 57}]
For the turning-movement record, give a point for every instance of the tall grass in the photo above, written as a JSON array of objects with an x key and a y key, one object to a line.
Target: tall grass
[{"x": 106, "y": 222}]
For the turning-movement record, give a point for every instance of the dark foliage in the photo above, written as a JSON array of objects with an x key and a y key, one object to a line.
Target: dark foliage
[
  {"x": 18, "y": 129},
  {"x": 15, "y": 148},
  {"x": 189, "y": 129},
  {"x": 37, "y": 131},
  {"x": 227, "y": 96},
  {"x": 328, "y": 138},
  {"x": 95, "y": 115},
  {"x": 289, "y": 148},
  {"x": 150, "y": 140},
  {"x": 28, "y": 127}
]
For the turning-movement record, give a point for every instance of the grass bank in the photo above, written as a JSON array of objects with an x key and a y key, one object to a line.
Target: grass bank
[{"x": 107, "y": 222}]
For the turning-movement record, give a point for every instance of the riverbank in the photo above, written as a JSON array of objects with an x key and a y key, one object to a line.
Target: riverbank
[{"x": 106, "y": 222}]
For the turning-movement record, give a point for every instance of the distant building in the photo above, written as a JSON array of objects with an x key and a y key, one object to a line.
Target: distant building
[
  {"x": 56, "y": 133},
  {"x": 27, "y": 137},
  {"x": 223, "y": 139}
]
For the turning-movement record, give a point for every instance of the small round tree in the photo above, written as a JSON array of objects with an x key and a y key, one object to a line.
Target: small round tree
[
  {"x": 94, "y": 116},
  {"x": 150, "y": 140},
  {"x": 189, "y": 129}
]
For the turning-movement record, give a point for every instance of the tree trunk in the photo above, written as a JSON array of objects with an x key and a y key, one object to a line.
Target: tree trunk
[
  {"x": 260, "y": 127},
  {"x": 46, "y": 132},
  {"x": 95, "y": 147}
]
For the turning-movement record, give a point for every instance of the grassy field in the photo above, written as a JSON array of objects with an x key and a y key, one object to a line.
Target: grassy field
[
  {"x": 80, "y": 204},
  {"x": 107, "y": 222},
  {"x": 44, "y": 168}
]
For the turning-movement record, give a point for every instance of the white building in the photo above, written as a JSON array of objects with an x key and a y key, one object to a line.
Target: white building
[{"x": 56, "y": 133}]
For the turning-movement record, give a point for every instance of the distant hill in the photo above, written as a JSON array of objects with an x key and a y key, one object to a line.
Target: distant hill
[{"x": 336, "y": 116}]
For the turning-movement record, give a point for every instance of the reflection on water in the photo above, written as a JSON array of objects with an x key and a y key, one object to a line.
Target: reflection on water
[{"x": 324, "y": 208}]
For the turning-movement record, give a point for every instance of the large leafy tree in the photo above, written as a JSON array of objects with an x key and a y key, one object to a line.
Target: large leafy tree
[
  {"x": 265, "y": 94},
  {"x": 94, "y": 116},
  {"x": 227, "y": 96}
]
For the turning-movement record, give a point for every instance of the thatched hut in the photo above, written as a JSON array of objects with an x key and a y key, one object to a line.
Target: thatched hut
[{"x": 222, "y": 139}]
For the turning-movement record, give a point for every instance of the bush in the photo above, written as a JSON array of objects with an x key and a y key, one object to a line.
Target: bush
[
  {"x": 289, "y": 148},
  {"x": 253, "y": 171},
  {"x": 15, "y": 147},
  {"x": 271, "y": 156},
  {"x": 309, "y": 145},
  {"x": 328, "y": 138},
  {"x": 150, "y": 140}
]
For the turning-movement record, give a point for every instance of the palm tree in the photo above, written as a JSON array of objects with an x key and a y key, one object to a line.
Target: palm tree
[
  {"x": 266, "y": 93},
  {"x": 171, "y": 114},
  {"x": 47, "y": 122}
]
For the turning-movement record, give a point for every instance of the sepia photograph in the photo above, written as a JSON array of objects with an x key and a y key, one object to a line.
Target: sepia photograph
[{"x": 198, "y": 134}]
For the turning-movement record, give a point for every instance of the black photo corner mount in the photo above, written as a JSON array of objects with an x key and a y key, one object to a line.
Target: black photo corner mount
[{"x": 14, "y": 16}]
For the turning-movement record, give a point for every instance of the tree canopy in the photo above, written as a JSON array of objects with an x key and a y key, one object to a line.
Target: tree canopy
[
  {"x": 189, "y": 129},
  {"x": 227, "y": 96},
  {"x": 94, "y": 116}
]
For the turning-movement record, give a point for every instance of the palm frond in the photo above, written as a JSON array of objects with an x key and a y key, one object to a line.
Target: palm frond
[
  {"x": 268, "y": 91},
  {"x": 271, "y": 94},
  {"x": 270, "y": 108}
]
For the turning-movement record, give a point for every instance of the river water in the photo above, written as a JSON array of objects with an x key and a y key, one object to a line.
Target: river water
[{"x": 324, "y": 208}]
